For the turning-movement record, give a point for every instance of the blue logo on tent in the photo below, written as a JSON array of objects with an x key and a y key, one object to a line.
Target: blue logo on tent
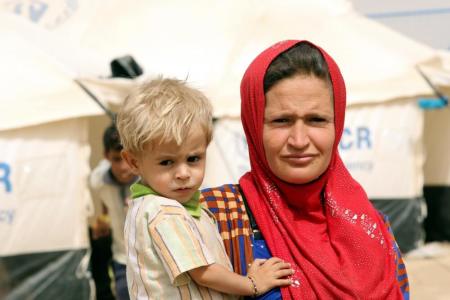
[
  {"x": 35, "y": 11},
  {"x": 38, "y": 11},
  {"x": 4, "y": 176},
  {"x": 359, "y": 138}
]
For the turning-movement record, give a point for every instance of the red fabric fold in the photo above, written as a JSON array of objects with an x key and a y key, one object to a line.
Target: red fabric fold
[{"x": 327, "y": 229}]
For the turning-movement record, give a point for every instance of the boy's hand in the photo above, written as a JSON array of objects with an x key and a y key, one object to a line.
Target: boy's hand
[{"x": 267, "y": 274}]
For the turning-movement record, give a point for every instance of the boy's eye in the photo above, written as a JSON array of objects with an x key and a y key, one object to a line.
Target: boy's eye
[
  {"x": 194, "y": 158},
  {"x": 166, "y": 162}
]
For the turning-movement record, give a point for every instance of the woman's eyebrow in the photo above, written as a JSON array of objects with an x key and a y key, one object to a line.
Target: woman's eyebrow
[{"x": 278, "y": 112}]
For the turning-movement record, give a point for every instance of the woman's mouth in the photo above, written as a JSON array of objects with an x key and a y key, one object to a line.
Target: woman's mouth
[{"x": 298, "y": 159}]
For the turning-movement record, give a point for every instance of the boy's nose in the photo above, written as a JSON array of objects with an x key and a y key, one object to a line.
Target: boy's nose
[{"x": 183, "y": 172}]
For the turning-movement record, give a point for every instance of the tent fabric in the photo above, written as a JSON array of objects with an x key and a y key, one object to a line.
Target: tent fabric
[
  {"x": 407, "y": 218},
  {"x": 382, "y": 147},
  {"x": 111, "y": 91},
  {"x": 44, "y": 194},
  {"x": 47, "y": 275},
  {"x": 35, "y": 88},
  {"x": 256, "y": 27},
  {"x": 215, "y": 51}
]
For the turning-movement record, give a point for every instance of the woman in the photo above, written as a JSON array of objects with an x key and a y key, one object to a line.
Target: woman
[{"x": 299, "y": 202}]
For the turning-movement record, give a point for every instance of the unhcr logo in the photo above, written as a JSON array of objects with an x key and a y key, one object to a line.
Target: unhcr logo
[
  {"x": 4, "y": 176},
  {"x": 47, "y": 13},
  {"x": 356, "y": 138}
]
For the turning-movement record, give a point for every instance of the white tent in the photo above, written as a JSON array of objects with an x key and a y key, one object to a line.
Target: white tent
[
  {"x": 44, "y": 164},
  {"x": 211, "y": 43},
  {"x": 43, "y": 137}
]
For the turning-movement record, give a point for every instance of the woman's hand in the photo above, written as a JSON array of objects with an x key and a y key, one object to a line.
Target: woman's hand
[{"x": 267, "y": 274}]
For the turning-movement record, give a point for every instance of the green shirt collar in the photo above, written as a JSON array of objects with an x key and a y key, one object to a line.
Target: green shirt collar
[{"x": 192, "y": 206}]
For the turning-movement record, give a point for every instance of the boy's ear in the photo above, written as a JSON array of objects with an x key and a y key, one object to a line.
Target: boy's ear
[{"x": 131, "y": 161}]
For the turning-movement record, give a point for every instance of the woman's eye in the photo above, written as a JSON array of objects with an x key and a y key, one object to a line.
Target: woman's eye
[
  {"x": 280, "y": 120},
  {"x": 193, "y": 159},
  {"x": 166, "y": 162},
  {"x": 317, "y": 120}
]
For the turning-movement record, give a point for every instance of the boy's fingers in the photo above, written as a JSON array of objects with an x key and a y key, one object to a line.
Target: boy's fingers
[
  {"x": 284, "y": 273},
  {"x": 281, "y": 282},
  {"x": 280, "y": 265},
  {"x": 284, "y": 265},
  {"x": 259, "y": 261},
  {"x": 275, "y": 260}
]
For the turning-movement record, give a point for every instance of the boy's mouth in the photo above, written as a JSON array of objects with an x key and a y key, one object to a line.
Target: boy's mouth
[{"x": 183, "y": 189}]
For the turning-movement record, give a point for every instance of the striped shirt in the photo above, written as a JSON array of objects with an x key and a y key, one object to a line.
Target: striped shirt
[{"x": 163, "y": 243}]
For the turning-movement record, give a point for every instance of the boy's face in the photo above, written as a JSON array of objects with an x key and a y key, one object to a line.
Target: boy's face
[
  {"x": 120, "y": 169},
  {"x": 173, "y": 171}
]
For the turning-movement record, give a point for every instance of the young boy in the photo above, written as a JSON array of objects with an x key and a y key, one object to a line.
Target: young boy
[
  {"x": 110, "y": 183},
  {"x": 174, "y": 248}
]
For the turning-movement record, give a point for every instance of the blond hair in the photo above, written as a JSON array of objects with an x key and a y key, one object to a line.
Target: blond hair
[{"x": 162, "y": 110}]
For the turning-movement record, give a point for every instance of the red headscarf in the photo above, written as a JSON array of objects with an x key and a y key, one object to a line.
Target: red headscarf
[{"x": 327, "y": 229}]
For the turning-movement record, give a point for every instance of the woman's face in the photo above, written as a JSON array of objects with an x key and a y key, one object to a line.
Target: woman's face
[{"x": 298, "y": 134}]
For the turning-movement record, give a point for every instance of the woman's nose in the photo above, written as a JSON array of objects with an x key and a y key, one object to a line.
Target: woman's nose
[{"x": 298, "y": 136}]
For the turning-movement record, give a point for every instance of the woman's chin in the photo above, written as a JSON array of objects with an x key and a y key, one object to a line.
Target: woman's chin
[{"x": 299, "y": 178}]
